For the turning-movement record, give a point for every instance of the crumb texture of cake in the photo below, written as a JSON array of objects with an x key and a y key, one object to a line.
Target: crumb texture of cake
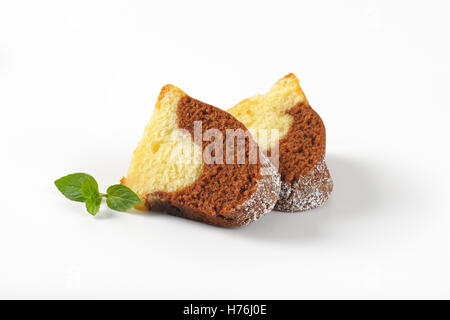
[
  {"x": 299, "y": 145},
  {"x": 210, "y": 184},
  {"x": 163, "y": 146}
]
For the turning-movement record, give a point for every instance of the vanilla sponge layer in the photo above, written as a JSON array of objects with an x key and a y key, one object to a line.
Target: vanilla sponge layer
[
  {"x": 263, "y": 113},
  {"x": 166, "y": 158}
]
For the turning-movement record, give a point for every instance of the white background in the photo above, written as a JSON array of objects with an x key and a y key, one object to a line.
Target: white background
[{"x": 78, "y": 82}]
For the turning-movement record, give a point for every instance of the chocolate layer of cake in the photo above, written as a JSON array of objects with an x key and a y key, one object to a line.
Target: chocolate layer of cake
[
  {"x": 304, "y": 144},
  {"x": 305, "y": 179}
]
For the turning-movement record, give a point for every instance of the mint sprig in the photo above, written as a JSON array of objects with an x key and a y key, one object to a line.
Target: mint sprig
[{"x": 83, "y": 187}]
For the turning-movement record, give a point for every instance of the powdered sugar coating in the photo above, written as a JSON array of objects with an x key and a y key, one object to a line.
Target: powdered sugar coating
[
  {"x": 265, "y": 196},
  {"x": 311, "y": 191}
]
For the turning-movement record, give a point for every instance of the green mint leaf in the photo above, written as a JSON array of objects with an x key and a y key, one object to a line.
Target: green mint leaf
[
  {"x": 93, "y": 204},
  {"x": 70, "y": 186},
  {"x": 121, "y": 198},
  {"x": 89, "y": 188}
]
